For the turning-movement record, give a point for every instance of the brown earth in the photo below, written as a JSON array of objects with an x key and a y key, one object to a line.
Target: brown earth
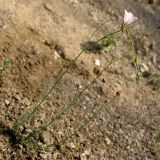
[{"x": 41, "y": 38}]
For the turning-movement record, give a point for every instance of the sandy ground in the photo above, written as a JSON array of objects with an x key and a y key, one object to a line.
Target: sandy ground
[{"x": 41, "y": 38}]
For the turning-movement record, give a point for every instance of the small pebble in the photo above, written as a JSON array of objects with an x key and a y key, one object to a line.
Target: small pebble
[
  {"x": 86, "y": 152},
  {"x": 56, "y": 55},
  {"x": 7, "y": 103},
  {"x": 44, "y": 155},
  {"x": 72, "y": 145},
  {"x": 154, "y": 59},
  {"x": 144, "y": 67},
  {"x": 108, "y": 141},
  {"x": 97, "y": 62}
]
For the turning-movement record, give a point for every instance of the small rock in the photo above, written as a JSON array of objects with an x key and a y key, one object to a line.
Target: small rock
[
  {"x": 154, "y": 59},
  {"x": 80, "y": 86},
  {"x": 44, "y": 155},
  {"x": 21, "y": 128},
  {"x": 56, "y": 55},
  {"x": 144, "y": 67},
  {"x": 40, "y": 144},
  {"x": 72, "y": 145},
  {"x": 28, "y": 130},
  {"x": 47, "y": 137},
  {"x": 86, "y": 153},
  {"x": 60, "y": 51},
  {"x": 7, "y": 103},
  {"x": 98, "y": 96},
  {"x": 55, "y": 155},
  {"x": 25, "y": 101},
  {"x": 107, "y": 140},
  {"x": 97, "y": 62},
  {"x": 20, "y": 146},
  {"x": 75, "y": 1},
  {"x": 17, "y": 97}
]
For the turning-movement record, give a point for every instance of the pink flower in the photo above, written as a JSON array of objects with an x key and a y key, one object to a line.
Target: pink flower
[{"x": 129, "y": 18}]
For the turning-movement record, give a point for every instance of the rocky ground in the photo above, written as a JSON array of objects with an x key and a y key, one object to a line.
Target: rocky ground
[{"x": 38, "y": 41}]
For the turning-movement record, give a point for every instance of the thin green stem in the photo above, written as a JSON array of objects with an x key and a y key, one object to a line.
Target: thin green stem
[
  {"x": 108, "y": 35},
  {"x": 49, "y": 91},
  {"x": 94, "y": 115},
  {"x": 131, "y": 46},
  {"x": 35, "y": 109},
  {"x": 97, "y": 29},
  {"x": 75, "y": 98}
]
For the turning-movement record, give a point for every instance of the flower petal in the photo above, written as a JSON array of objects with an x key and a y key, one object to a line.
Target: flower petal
[{"x": 129, "y": 18}]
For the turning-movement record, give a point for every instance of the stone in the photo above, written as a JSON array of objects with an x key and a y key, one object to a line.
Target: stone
[
  {"x": 97, "y": 62},
  {"x": 47, "y": 138},
  {"x": 144, "y": 67},
  {"x": 56, "y": 55},
  {"x": 7, "y": 103},
  {"x": 108, "y": 141}
]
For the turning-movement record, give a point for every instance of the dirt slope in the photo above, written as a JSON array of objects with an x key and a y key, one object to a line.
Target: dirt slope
[{"x": 41, "y": 37}]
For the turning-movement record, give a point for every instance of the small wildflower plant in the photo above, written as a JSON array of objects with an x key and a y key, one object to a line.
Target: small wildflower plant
[
  {"x": 109, "y": 39},
  {"x": 5, "y": 65}
]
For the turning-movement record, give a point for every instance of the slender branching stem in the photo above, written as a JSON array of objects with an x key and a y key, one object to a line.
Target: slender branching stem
[
  {"x": 108, "y": 35},
  {"x": 130, "y": 43},
  {"x": 30, "y": 115},
  {"x": 75, "y": 98}
]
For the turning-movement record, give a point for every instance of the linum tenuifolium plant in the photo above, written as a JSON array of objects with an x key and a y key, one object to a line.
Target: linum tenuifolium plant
[{"x": 31, "y": 140}]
